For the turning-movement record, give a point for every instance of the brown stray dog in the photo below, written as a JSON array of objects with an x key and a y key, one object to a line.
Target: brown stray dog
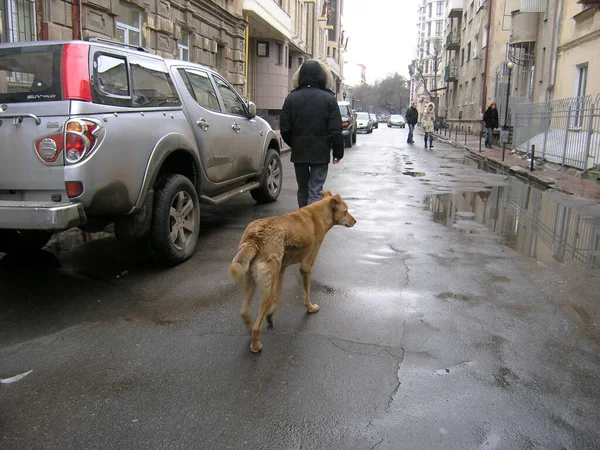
[{"x": 269, "y": 245}]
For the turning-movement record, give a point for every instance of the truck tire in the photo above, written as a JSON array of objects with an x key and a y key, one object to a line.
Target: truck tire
[
  {"x": 354, "y": 136},
  {"x": 175, "y": 224},
  {"x": 270, "y": 180},
  {"x": 13, "y": 241},
  {"x": 348, "y": 141}
]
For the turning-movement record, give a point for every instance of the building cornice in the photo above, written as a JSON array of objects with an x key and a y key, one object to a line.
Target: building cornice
[{"x": 579, "y": 41}]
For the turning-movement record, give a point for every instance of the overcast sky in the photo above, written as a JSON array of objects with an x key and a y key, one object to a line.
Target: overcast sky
[{"x": 383, "y": 37}]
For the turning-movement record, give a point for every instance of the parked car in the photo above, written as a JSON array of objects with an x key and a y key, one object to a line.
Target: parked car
[
  {"x": 383, "y": 118},
  {"x": 348, "y": 122},
  {"x": 374, "y": 121},
  {"x": 363, "y": 122},
  {"x": 122, "y": 137},
  {"x": 396, "y": 120}
]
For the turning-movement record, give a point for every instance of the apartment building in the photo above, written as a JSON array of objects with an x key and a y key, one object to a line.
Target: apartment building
[
  {"x": 206, "y": 32},
  {"x": 282, "y": 35},
  {"x": 427, "y": 68},
  {"x": 476, "y": 59}
]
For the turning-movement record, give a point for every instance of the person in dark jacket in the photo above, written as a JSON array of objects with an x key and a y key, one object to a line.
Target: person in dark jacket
[
  {"x": 412, "y": 117},
  {"x": 490, "y": 118},
  {"x": 311, "y": 124}
]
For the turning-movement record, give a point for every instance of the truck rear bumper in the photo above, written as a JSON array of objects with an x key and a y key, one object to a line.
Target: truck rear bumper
[{"x": 16, "y": 215}]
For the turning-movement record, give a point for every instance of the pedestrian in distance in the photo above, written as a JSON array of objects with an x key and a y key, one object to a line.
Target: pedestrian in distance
[
  {"x": 490, "y": 119},
  {"x": 311, "y": 124},
  {"x": 412, "y": 117},
  {"x": 428, "y": 120}
]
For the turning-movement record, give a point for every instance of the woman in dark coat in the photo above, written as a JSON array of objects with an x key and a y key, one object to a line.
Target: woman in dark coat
[
  {"x": 311, "y": 124},
  {"x": 490, "y": 118}
]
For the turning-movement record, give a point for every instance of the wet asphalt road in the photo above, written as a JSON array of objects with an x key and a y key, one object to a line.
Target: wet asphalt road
[{"x": 429, "y": 337}]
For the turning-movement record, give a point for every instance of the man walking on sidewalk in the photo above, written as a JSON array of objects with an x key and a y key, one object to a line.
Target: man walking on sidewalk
[{"x": 412, "y": 117}]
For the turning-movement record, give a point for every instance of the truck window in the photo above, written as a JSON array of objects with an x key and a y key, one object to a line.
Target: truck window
[
  {"x": 233, "y": 104},
  {"x": 200, "y": 88},
  {"x": 152, "y": 85}
]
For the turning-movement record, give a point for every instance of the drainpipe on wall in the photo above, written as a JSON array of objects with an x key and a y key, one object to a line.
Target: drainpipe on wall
[
  {"x": 487, "y": 50},
  {"x": 247, "y": 56},
  {"x": 76, "y": 14},
  {"x": 554, "y": 61}
]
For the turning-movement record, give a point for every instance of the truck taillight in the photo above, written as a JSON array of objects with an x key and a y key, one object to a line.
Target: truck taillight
[
  {"x": 345, "y": 124},
  {"x": 80, "y": 139},
  {"x": 76, "y": 72}
]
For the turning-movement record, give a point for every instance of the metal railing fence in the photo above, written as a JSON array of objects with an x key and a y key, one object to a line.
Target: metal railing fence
[{"x": 565, "y": 131}]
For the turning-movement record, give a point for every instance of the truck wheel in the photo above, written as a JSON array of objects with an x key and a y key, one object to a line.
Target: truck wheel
[
  {"x": 13, "y": 241},
  {"x": 271, "y": 179},
  {"x": 175, "y": 220},
  {"x": 354, "y": 136},
  {"x": 348, "y": 141}
]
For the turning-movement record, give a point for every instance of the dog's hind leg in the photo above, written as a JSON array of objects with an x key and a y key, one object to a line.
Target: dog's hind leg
[
  {"x": 306, "y": 271},
  {"x": 278, "y": 299},
  {"x": 249, "y": 288},
  {"x": 267, "y": 282}
]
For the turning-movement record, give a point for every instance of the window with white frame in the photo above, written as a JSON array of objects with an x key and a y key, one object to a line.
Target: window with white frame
[
  {"x": 438, "y": 28},
  {"x": 439, "y": 8},
  {"x": 183, "y": 46},
  {"x": 129, "y": 25},
  {"x": 581, "y": 87},
  {"x": 17, "y": 21}
]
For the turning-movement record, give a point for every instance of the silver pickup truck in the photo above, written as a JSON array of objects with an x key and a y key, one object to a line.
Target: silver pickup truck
[{"x": 94, "y": 132}]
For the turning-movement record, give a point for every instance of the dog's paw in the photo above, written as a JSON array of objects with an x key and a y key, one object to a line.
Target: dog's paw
[
  {"x": 313, "y": 308},
  {"x": 256, "y": 348}
]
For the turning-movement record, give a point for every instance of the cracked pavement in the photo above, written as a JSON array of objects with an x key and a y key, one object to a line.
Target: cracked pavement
[{"x": 429, "y": 336}]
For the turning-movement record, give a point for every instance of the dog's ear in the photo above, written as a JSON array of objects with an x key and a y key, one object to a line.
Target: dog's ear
[
  {"x": 325, "y": 194},
  {"x": 335, "y": 202}
]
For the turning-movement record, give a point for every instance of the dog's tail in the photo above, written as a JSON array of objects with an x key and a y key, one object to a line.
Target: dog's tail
[{"x": 241, "y": 262}]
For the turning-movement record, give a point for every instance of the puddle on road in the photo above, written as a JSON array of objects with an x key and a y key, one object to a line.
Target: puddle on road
[
  {"x": 542, "y": 224},
  {"x": 414, "y": 174}
]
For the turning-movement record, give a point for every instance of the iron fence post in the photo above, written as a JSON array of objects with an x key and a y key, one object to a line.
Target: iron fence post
[
  {"x": 480, "y": 135},
  {"x": 566, "y": 137},
  {"x": 465, "y": 138},
  {"x": 532, "y": 156},
  {"x": 588, "y": 143},
  {"x": 456, "y": 134},
  {"x": 548, "y": 116}
]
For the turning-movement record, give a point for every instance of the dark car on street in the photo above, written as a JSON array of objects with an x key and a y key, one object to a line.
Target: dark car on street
[{"x": 349, "y": 123}]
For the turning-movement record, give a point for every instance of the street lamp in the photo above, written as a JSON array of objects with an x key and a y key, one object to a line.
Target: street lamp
[
  {"x": 510, "y": 67},
  {"x": 505, "y": 127}
]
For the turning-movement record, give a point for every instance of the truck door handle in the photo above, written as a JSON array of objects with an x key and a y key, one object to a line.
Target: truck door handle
[
  {"x": 236, "y": 127},
  {"x": 202, "y": 123}
]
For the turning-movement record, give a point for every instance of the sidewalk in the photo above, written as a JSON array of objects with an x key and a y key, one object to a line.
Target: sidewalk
[{"x": 553, "y": 176}]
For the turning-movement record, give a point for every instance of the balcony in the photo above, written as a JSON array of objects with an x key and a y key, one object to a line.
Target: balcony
[
  {"x": 451, "y": 74},
  {"x": 453, "y": 42},
  {"x": 523, "y": 28},
  {"x": 455, "y": 9}
]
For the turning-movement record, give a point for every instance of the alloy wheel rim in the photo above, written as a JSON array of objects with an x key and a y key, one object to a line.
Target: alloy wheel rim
[
  {"x": 182, "y": 220},
  {"x": 273, "y": 177}
]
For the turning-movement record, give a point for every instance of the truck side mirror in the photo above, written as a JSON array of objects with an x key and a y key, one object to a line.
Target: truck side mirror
[{"x": 251, "y": 109}]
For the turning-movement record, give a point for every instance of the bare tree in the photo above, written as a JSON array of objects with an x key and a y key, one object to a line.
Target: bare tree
[{"x": 431, "y": 56}]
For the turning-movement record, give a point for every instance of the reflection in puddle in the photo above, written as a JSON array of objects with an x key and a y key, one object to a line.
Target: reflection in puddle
[
  {"x": 545, "y": 225},
  {"x": 414, "y": 174}
]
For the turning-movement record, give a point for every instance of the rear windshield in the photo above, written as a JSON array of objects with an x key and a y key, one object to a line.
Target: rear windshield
[
  {"x": 363, "y": 116},
  {"x": 30, "y": 74},
  {"x": 344, "y": 111},
  {"x": 395, "y": 117}
]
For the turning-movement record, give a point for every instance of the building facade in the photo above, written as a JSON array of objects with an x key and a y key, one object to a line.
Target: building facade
[
  {"x": 577, "y": 61},
  {"x": 427, "y": 68},
  {"x": 207, "y": 32},
  {"x": 282, "y": 34}
]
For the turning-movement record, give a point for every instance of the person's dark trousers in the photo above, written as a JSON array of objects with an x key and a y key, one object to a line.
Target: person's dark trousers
[
  {"x": 429, "y": 135},
  {"x": 311, "y": 179},
  {"x": 489, "y": 138},
  {"x": 411, "y": 129}
]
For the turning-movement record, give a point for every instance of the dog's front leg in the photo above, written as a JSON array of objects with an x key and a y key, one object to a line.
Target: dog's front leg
[{"x": 306, "y": 271}]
